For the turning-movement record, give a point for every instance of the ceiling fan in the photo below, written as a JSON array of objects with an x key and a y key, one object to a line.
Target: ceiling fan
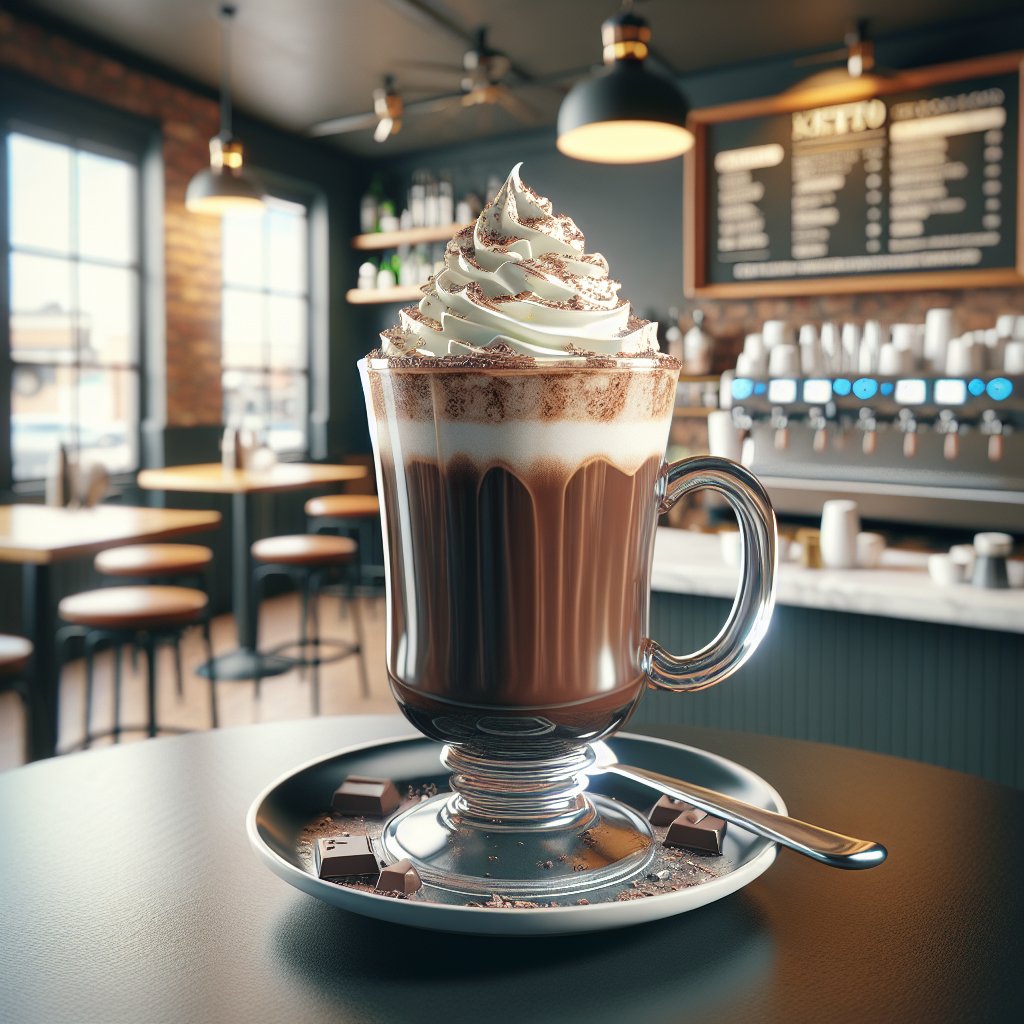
[{"x": 481, "y": 83}]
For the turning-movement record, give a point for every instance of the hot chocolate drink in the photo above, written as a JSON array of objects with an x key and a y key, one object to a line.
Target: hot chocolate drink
[{"x": 520, "y": 415}]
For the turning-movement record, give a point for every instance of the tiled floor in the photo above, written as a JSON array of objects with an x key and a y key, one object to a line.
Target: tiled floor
[{"x": 282, "y": 697}]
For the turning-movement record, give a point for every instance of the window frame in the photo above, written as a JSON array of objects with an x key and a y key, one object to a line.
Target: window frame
[
  {"x": 291, "y": 191},
  {"x": 40, "y": 111}
]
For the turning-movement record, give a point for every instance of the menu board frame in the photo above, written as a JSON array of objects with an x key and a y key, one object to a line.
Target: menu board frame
[{"x": 696, "y": 242}]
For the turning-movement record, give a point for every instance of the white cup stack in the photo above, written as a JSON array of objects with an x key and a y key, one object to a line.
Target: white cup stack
[{"x": 964, "y": 357}]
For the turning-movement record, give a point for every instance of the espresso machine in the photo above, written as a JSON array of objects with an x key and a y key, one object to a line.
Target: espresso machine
[{"x": 921, "y": 445}]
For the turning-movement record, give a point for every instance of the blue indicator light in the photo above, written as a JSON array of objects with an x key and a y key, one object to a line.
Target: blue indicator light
[
  {"x": 742, "y": 388},
  {"x": 842, "y": 387},
  {"x": 760, "y": 388},
  {"x": 999, "y": 388},
  {"x": 976, "y": 387},
  {"x": 865, "y": 388},
  {"x": 887, "y": 388}
]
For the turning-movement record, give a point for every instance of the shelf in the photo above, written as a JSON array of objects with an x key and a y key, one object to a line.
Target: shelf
[
  {"x": 411, "y": 236},
  {"x": 369, "y": 296}
]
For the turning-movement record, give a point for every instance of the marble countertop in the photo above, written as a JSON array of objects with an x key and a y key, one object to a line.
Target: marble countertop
[{"x": 899, "y": 588}]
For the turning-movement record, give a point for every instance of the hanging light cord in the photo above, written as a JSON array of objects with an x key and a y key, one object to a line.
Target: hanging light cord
[{"x": 227, "y": 12}]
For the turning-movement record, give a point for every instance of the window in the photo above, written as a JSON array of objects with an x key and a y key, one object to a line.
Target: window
[
  {"x": 74, "y": 271},
  {"x": 266, "y": 323}
]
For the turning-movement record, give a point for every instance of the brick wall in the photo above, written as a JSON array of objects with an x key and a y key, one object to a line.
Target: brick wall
[{"x": 191, "y": 242}]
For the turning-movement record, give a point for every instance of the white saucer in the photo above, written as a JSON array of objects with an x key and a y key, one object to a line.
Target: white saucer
[{"x": 278, "y": 815}]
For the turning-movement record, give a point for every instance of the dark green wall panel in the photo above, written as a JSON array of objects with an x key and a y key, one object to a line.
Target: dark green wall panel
[{"x": 947, "y": 695}]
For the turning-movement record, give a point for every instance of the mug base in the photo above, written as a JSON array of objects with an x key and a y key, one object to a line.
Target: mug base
[{"x": 606, "y": 844}]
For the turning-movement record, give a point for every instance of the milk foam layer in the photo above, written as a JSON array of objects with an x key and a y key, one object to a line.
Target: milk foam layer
[
  {"x": 522, "y": 420},
  {"x": 519, "y": 283}
]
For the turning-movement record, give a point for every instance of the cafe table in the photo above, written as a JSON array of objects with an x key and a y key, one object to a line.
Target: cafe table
[
  {"x": 38, "y": 536},
  {"x": 130, "y": 893},
  {"x": 243, "y": 486}
]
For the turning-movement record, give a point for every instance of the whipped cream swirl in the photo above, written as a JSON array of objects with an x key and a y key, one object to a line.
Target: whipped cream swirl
[{"x": 519, "y": 282}]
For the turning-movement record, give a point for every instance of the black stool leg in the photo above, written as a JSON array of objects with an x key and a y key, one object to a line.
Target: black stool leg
[
  {"x": 304, "y": 586},
  {"x": 360, "y": 651},
  {"x": 150, "y": 648},
  {"x": 311, "y": 587},
  {"x": 177, "y": 670},
  {"x": 212, "y": 676},
  {"x": 118, "y": 655},
  {"x": 90, "y": 651}
]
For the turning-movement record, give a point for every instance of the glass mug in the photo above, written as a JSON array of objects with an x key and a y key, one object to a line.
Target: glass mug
[{"x": 519, "y": 508}]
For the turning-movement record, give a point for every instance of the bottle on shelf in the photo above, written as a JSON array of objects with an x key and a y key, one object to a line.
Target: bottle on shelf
[
  {"x": 445, "y": 199},
  {"x": 368, "y": 206}
]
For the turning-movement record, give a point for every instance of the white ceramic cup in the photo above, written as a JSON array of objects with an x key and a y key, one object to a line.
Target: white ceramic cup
[
  {"x": 811, "y": 361},
  {"x": 1006, "y": 324},
  {"x": 1013, "y": 357},
  {"x": 938, "y": 330},
  {"x": 904, "y": 336},
  {"x": 944, "y": 571},
  {"x": 869, "y": 549},
  {"x": 748, "y": 365},
  {"x": 892, "y": 361},
  {"x": 840, "y": 524},
  {"x": 753, "y": 344},
  {"x": 808, "y": 335},
  {"x": 875, "y": 334},
  {"x": 723, "y": 435},
  {"x": 777, "y": 332},
  {"x": 784, "y": 361}
]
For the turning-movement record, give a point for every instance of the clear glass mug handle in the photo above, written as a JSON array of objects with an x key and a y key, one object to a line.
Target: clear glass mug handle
[{"x": 752, "y": 609}]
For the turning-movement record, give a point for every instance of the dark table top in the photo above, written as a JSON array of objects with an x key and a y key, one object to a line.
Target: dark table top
[{"x": 128, "y": 893}]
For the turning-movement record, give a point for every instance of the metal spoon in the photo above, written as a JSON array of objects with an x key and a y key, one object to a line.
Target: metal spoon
[{"x": 831, "y": 848}]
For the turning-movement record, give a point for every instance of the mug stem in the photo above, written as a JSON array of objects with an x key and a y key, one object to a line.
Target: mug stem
[{"x": 500, "y": 787}]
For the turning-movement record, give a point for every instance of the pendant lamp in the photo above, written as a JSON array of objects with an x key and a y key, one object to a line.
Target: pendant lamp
[
  {"x": 225, "y": 186},
  {"x": 624, "y": 113}
]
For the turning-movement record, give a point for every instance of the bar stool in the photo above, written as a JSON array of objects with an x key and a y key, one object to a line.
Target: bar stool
[
  {"x": 357, "y": 514},
  {"x": 141, "y": 616},
  {"x": 15, "y": 654},
  {"x": 159, "y": 563},
  {"x": 308, "y": 559}
]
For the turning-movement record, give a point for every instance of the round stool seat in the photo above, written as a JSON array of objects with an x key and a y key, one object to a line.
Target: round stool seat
[
  {"x": 305, "y": 549},
  {"x": 154, "y": 560},
  {"x": 344, "y": 506},
  {"x": 15, "y": 652},
  {"x": 133, "y": 607}
]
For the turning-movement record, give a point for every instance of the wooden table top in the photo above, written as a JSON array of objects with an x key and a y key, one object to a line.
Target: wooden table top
[
  {"x": 212, "y": 478},
  {"x": 40, "y": 534}
]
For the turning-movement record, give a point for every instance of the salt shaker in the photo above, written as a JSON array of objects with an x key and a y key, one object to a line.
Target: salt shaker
[{"x": 991, "y": 550}]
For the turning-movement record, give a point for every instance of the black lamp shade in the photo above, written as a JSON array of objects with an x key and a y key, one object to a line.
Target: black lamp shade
[
  {"x": 215, "y": 191},
  {"x": 624, "y": 113}
]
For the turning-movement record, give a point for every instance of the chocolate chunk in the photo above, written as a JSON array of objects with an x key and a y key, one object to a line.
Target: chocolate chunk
[
  {"x": 342, "y": 856},
  {"x": 399, "y": 877},
  {"x": 697, "y": 830},
  {"x": 666, "y": 810},
  {"x": 360, "y": 794}
]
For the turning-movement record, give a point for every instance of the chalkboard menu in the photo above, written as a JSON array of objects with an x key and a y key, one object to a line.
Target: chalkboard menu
[{"x": 916, "y": 184}]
